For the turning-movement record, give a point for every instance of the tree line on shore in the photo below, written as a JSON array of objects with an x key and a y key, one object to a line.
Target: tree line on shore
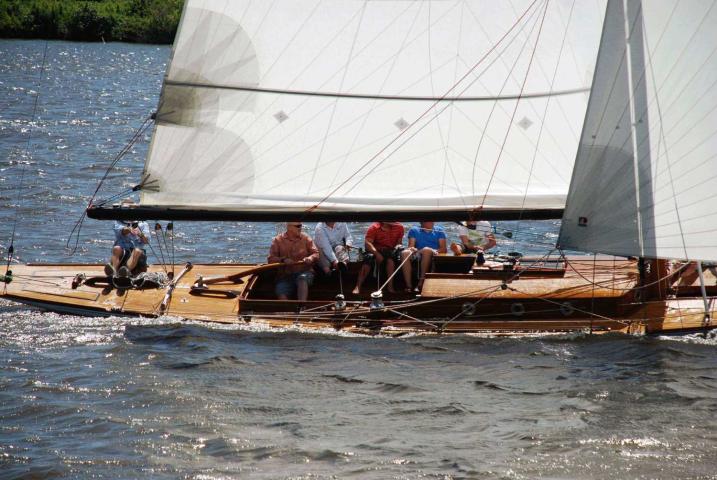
[{"x": 140, "y": 21}]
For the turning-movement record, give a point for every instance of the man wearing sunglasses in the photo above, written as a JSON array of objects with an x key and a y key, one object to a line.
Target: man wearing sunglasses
[{"x": 295, "y": 249}]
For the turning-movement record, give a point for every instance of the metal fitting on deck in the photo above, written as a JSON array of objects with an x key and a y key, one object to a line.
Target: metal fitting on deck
[
  {"x": 377, "y": 300},
  {"x": 340, "y": 304}
]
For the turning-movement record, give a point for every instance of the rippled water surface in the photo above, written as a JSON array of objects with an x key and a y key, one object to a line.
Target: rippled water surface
[{"x": 163, "y": 398}]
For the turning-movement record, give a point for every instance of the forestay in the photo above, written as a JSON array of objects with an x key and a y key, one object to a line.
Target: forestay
[
  {"x": 372, "y": 106},
  {"x": 644, "y": 179}
]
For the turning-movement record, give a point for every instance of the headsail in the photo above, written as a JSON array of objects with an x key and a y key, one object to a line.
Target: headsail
[
  {"x": 644, "y": 178},
  {"x": 350, "y": 106}
]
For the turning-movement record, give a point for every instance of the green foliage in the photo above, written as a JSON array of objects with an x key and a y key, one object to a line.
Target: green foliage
[{"x": 145, "y": 21}]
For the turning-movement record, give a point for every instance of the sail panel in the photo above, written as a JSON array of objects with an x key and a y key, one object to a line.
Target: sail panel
[
  {"x": 360, "y": 106},
  {"x": 644, "y": 177}
]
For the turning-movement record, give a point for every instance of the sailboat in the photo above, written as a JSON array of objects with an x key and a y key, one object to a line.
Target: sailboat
[{"x": 601, "y": 115}]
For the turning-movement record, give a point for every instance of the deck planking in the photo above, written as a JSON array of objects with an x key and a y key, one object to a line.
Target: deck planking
[{"x": 611, "y": 280}]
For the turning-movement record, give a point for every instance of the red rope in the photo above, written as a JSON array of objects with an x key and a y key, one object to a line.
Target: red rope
[
  {"x": 440, "y": 99},
  {"x": 515, "y": 109}
]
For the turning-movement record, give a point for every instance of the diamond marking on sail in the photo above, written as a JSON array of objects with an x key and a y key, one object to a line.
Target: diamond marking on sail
[
  {"x": 401, "y": 124},
  {"x": 525, "y": 123},
  {"x": 281, "y": 116}
]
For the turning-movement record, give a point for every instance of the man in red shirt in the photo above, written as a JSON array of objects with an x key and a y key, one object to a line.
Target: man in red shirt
[{"x": 382, "y": 238}]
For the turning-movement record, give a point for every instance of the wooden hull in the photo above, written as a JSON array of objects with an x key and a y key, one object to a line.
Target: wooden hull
[{"x": 587, "y": 295}]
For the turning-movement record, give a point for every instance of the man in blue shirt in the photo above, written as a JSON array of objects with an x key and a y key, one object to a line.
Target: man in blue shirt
[
  {"x": 423, "y": 243},
  {"x": 128, "y": 251}
]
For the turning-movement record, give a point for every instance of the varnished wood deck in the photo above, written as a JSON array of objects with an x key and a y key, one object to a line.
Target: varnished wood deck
[{"x": 591, "y": 295}]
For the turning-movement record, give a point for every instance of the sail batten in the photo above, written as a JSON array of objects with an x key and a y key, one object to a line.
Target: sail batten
[{"x": 460, "y": 98}]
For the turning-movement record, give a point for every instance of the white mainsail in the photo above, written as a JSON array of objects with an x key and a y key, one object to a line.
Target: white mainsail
[
  {"x": 644, "y": 178},
  {"x": 372, "y": 105}
]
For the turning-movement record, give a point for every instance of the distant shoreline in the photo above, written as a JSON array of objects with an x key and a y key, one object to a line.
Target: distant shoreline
[{"x": 134, "y": 21}]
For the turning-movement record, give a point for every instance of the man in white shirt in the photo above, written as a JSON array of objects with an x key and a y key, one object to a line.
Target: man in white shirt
[
  {"x": 333, "y": 240},
  {"x": 128, "y": 253},
  {"x": 475, "y": 237}
]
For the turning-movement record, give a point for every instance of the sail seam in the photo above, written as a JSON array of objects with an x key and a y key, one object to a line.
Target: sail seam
[
  {"x": 545, "y": 113},
  {"x": 423, "y": 114},
  {"x": 347, "y": 65},
  {"x": 495, "y": 104},
  {"x": 515, "y": 109}
]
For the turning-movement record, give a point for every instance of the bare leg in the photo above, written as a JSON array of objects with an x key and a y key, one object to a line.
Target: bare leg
[
  {"x": 456, "y": 249},
  {"x": 406, "y": 268},
  {"x": 282, "y": 297},
  {"x": 390, "y": 268},
  {"x": 426, "y": 258},
  {"x": 117, "y": 253},
  {"x": 134, "y": 259},
  {"x": 363, "y": 273},
  {"x": 302, "y": 290}
]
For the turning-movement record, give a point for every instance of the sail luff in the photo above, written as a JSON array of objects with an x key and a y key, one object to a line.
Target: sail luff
[
  {"x": 152, "y": 145},
  {"x": 629, "y": 55}
]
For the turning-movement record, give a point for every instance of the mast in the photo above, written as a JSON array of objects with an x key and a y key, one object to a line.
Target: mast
[
  {"x": 637, "y": 95},
  {"x": 653, "y": 272}
]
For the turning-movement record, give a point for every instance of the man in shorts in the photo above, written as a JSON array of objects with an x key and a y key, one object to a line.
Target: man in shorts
[
  {"x": 476, "y": 237},
  {"x": 128, "y": 253},
  {"x": 298, "y": 252},
  {"x": 423, "y": 243},
  {"x": 383, "y": 243}
]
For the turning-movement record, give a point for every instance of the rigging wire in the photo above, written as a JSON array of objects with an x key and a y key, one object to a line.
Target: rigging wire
[
  {"x": 495, "y": 105},
  {"x": 439, "y": 111},
  {"x": 424, "y": 114},
  {"x": 636, "y": 287},
  {"x": 11, "y": 247},
  {"x": 517, "y": 103},
  {"x": 75, "y": 232},
  {"x": 545, "y": 114},
  {"x": 158, "y": 228}
]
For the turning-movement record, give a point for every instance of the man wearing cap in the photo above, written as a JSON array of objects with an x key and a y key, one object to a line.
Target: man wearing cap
[{"x": 128, "y": 251}]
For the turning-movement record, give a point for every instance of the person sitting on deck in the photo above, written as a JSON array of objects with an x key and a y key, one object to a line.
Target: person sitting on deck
[
  {"x": 298, "y": 252},
  {"x": 382, "y": 242},
  {"x": 476, "y": 237},
  {"x": 128, "y": 252},
  {"x": 423, "y": 243},
  {"x": 333, "y": 240}
]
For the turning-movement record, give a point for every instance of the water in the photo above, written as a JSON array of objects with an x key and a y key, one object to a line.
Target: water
[{"x": 163, "y": 398}]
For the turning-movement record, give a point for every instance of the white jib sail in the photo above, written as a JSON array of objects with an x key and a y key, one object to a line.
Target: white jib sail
[
  {"x": 644, "y": 179},
  {"x": 372, "y": 105}
]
